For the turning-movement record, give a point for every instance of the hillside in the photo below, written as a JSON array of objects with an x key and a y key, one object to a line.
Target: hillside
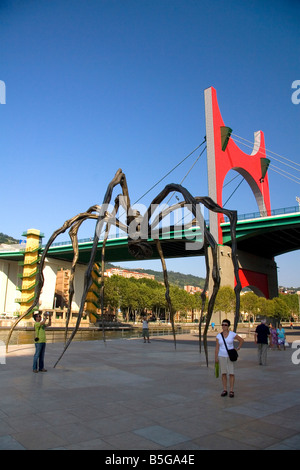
[
  {"x": 175, "y": 278},
  {"x": 7, "y": 239}
]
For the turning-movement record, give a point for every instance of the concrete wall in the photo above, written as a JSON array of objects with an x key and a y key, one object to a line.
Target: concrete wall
[
  {"x": 8, "y": 286},
  {"x": 48, "y": 291},
  {"x": 9, "y": 282}
]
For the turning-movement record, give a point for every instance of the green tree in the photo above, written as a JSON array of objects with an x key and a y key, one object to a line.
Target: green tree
[
  {"x": 159, "y": 303},
  {"x": 281, "y": 310},
  {"x": 134, "y": 295},
  {"x": 292, "y": 302},
  {"x": 265, "y": 307},
  {"x": 249, "y": 304},
  {"x": 112, "y": 292},
  {"x": 225, "y": 300}
]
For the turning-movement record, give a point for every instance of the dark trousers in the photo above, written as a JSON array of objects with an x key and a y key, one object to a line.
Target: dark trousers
[{"x": 38, "y": 358}]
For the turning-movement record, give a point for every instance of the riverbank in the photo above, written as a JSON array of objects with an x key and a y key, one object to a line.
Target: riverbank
[
  {"x": 57, "y": 335},
  {"x": 24, "y": 335}
]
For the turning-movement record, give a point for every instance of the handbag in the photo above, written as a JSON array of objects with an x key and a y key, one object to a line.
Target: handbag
[{"x": 232, "y": 353}]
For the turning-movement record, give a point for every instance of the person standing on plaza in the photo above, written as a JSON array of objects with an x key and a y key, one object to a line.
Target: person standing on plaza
[
  {"x": 145, "y": 329},
  {"x": 281, "y": 337},
  {"x": 262, "y": 334},
  {"x": 40, "y": 340},
  {"x": 274, "y": 337},
  {"x": 221, "y": 356}
]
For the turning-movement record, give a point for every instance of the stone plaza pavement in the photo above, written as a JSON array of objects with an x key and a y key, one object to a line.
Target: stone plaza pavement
[{"x": 127, "y": 395}]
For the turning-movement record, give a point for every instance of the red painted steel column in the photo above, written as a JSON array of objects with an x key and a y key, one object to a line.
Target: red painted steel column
[{"x": 220, "y": 162}]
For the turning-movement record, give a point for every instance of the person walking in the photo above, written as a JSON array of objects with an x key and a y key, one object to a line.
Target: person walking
[
  {"x": 221, "y": 356},
  {"x": 262, "y": 335},
  {"x": 40, "y": 341}
]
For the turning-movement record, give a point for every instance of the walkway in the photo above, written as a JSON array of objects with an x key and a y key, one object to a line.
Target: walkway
[{"x": 127, "y": 395}]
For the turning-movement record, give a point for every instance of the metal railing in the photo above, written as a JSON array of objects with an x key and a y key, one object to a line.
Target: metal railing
[
  {"x": 57, "y": 336},
  {"x": 274, "y": 212},
  {"x": 247, "y": 216}
]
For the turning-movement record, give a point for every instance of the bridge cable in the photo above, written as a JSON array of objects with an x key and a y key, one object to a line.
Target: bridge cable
[
  {"x": 243, "y": 179},
  {"x": 236, "y": 176},
  {"x": 274, "y": 166},
  {"x": 283, "y": 163},
  {"x": 169, "y": 172},
  {"x": 271, "y": 156},
  {"x": 267, "y": 150},
  {"x": 201, "y": 153},
  {"x": 271, "y": 168}
]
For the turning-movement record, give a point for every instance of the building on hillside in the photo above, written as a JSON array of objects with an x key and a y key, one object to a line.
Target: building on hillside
[
  {"x": 63, "y": 282},
  {"x": 126, "y": 273},
  {"x": 192, "y": 289},
  {"x": 287, "y": 290}
]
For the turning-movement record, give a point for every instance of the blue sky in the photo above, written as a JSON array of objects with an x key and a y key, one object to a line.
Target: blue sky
[{"x": 97, "y": 85}]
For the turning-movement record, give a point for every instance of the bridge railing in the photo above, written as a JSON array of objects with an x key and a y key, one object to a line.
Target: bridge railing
[
  {"x": 258, "y": 215},
  {"x": 249, "y": 215},
  {"x": 189, "y": 231}
]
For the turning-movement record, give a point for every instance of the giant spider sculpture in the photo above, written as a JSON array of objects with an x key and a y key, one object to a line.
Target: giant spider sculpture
[{"x": 139, "y": 247}]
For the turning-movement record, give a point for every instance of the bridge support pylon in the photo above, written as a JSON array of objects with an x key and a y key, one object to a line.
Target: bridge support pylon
[{"x": 260, "y": 274}]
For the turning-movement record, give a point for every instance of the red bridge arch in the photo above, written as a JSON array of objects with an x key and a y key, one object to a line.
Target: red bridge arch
[
  {"x": 224, "y": 155},
  {"x": 221, "y": 160}
]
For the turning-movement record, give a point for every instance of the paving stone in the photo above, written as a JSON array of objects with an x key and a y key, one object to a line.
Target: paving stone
[{"x": 120, "y": 395}]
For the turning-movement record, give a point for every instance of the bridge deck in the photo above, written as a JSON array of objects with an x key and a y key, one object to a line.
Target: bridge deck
[{"x": 264, "y": 236}]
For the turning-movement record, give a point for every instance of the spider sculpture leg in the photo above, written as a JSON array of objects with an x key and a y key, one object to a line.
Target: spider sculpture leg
[
  {"x": 167, "y": 293},
  {"x": 211, "y": 205},
  {"x": 118, "y": 179}
]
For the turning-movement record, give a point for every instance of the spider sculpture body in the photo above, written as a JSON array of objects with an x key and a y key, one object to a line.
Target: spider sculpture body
[{"x": 140, "y": 249}]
